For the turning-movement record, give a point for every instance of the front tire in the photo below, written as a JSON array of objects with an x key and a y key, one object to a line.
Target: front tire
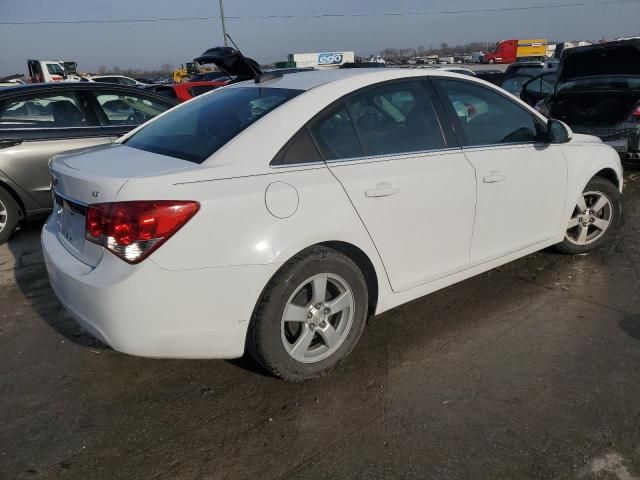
[
  {"x": 595, "y": 218},
  {"x": 310, "y": 316},
  {"x": 9, "y": 215}
]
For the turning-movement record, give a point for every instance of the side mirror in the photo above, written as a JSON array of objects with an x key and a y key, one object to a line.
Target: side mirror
[{"x": 558, "y": 132}]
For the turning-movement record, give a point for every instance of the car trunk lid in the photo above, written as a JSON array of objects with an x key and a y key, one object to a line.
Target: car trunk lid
[
  {"x": 231, "y": 62},
  {"x": 613, "y": 58},
  {"x": 96, "y": 176}
]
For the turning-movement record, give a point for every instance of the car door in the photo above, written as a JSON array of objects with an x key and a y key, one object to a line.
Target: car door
[
  {"x": 37, "y": 126},
  {"x": 410, "y": 183},
  {"x": 521, "y": 181}
]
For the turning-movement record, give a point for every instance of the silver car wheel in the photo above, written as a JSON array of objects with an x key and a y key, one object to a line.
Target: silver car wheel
[
  {"x": 317, "y": 318},
  {"x": 3, "y": 216},
  {"x": 591, "y": 217}
]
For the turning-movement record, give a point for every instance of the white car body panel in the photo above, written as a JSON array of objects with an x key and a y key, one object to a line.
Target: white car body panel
[
  {"x": 195, "y": 295},
  {"x": 426, "y": 187},
  {"x": 519, "y": 188}
]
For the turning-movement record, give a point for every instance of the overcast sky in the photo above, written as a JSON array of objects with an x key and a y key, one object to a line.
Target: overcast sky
[{"x": 148, "y": 45}]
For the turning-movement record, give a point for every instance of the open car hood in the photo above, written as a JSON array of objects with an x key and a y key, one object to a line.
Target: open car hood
[
  {"x": 613, "y": 58},
  {"x": 230, "y": 61}
]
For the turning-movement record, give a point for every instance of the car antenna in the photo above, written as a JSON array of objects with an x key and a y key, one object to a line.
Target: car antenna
[{"x": 258, "y": 76}]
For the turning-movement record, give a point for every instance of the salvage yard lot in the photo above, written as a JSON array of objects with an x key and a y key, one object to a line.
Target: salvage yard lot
[{"x": 528, "y": 371}]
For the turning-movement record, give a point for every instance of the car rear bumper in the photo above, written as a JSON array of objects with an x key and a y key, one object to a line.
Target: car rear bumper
[{"x": 148, "y": 311}]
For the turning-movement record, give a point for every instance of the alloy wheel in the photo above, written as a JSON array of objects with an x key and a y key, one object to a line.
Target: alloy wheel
[
  {"x": 317, "y": 318},
  {"x": 3, "y": 216},
  {"x": 591, "y": 218}
]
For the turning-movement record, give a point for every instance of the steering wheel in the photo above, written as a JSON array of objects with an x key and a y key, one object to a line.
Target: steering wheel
[{"x": 136, "y": 117}]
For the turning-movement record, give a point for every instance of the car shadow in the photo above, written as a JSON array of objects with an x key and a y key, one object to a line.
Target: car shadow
[{"x": 31, "y": 278}]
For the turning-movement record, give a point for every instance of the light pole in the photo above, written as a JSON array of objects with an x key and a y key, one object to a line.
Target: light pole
[{"x": 224, "y": 28}]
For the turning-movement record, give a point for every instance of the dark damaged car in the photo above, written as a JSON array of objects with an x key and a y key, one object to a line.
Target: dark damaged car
[{"x": 598, "y": 93}]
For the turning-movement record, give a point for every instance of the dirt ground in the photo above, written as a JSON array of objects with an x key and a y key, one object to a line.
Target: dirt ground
[{"x": 530, "y": 371}]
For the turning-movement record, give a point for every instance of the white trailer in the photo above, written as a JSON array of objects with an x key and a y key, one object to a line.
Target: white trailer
[{"x": 322, "y": 59}]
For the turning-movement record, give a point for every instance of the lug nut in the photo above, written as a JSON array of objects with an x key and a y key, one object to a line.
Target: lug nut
[
  {"x": 323, "y": 324},
  {"x": 326, "y": 311}
]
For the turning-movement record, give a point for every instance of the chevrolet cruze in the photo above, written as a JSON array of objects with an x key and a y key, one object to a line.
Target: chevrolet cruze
[{"x": 276, "y": 216}]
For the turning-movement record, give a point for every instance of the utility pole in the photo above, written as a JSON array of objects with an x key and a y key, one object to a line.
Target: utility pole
[{"x": 224, "y": 28}]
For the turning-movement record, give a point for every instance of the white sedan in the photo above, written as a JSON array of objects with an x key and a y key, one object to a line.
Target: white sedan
[{"x": 278, "y": 216}]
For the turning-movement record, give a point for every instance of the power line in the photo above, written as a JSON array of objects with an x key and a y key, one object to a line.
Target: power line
[{"x": 324, "y": 15}]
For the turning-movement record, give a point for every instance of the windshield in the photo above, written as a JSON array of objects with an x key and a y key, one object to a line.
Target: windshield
[
  {"x": 196, "y": 130},
  {"x": 613, "y": 82},
  {"x": 55, "y": 69}
]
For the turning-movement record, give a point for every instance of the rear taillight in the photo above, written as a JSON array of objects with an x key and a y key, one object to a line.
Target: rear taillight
[
  {"x": 635, "y": 113},
  {"x": 132, "y": 230}
]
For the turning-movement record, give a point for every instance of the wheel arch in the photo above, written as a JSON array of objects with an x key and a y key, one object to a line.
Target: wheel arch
[
  {"x": 609, "y": 174},
  {"x": 22, "y": 211},
  {"x": 364, "y": 263},
  {"x": 353, "y": 252}
]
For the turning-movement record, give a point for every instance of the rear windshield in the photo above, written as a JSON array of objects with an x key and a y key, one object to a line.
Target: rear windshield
[
  {"x": 613, "y": 82},
  {"x": 196, "y": 130}
]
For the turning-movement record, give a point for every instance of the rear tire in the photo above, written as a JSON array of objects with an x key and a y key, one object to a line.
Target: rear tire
[
  {"x": 595, "y": 218},
  {"x": 310, "y": 316},
  {"x": 9, "y": 215}
]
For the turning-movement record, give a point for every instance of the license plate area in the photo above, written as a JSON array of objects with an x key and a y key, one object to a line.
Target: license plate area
[{"x": 70, "y": 217}]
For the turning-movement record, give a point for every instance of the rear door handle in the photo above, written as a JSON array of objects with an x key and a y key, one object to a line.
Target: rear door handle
[
  {"x": 381, "y": 190},
  {"x": 10, "y": 142},
  {"x": 494, "y": 177}
]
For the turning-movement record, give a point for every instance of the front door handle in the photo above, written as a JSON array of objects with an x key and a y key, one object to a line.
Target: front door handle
[
  {"x": 381, "y": 190},
  {"x": 10, "y": 142},
  {"x": 494, "y": 177}
]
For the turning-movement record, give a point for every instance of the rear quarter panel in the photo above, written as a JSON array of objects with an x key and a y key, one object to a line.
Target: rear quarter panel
[{"x": 235, "y": 227}]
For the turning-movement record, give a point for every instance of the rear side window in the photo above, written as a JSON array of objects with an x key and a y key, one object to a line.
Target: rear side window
[
  {"x": 199, "y": 128},
  {"x": 56, "y": 110},
  {"x": 300, "y": 149},
  {"x": 335, "y": 135},
  {"x": 129, "y": 108},
  {"x": 396, "y": 118},
  {"x": 487, "y": 117}
]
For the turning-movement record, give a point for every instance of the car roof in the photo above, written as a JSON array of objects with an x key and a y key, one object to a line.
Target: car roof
[
  {"x": 309, "y": 80},
  {"x": 52, "y": 87}
]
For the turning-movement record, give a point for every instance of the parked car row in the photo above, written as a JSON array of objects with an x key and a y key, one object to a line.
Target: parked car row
[{"x": 38, "y": 121}]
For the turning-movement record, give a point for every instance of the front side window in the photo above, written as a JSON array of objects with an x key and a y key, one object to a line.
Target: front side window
[
  {"x": 196, "y": 130},
  {"x": 543, "y": 84},
  {"x": 129, "y": 109},
  {"x": 396, "y": 118},
  {"x": 487, "y": 117},
  {"x": 515, "y": 83},
  {"x": 57, "y": 110}
]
